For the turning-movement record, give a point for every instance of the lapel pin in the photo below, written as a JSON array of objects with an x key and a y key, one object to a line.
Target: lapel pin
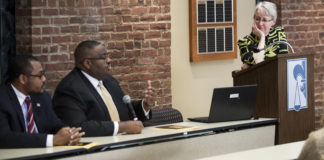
[{"x": 38, "y": 104}]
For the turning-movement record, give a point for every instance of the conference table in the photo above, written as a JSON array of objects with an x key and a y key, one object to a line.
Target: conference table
[
  {"x": 185, "y": 140},
  {"x": 283, "y": 151}
]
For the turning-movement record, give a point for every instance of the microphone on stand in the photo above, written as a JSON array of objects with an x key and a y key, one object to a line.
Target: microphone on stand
[
  {"x": 127, "y": 100},
  {"x": 255, "y": 49}
]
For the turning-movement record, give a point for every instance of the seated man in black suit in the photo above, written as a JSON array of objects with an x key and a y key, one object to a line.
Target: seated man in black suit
[
  {"x": 91, "y": 98},
  {"x": 26, "y": 115}
]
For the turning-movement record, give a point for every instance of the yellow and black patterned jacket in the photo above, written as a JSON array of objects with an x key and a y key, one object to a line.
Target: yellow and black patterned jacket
[{"x": 248, "y": 44}]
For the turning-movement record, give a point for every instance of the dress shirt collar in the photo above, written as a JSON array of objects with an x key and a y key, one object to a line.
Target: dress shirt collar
[
  {"x": 93, "y": 81},
  {"x": 21, "y": 97}
]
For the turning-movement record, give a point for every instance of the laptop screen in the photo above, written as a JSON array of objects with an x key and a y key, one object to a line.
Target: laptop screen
[{"x": 232, "y": 103}]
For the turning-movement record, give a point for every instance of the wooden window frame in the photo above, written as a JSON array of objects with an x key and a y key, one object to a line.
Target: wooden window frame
[{"x": 194, "y": 26}]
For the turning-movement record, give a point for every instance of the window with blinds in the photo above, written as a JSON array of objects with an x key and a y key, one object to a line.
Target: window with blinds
[{"x": 212, "y": 30}]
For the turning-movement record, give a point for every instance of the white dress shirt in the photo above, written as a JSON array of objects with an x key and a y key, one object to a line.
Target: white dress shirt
[
  {"x": 21, "y": 98},
  {"x": 95, "y": 83}
]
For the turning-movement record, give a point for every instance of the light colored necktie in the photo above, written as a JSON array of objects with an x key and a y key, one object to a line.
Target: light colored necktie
[
  {"x": 109, "y": 103},
  {"x": 30, "y": 116}
]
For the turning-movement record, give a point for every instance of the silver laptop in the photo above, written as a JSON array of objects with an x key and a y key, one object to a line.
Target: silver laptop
[{"x": 230, "y": 104}]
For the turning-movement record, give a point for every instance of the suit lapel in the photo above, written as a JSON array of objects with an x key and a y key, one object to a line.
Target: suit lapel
[
  {"x": 94, "y": 92},
  {"x": 16, "y": 105}
]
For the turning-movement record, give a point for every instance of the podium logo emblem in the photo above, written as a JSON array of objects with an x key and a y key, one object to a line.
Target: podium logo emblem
[{"x": 297, "y": 84}]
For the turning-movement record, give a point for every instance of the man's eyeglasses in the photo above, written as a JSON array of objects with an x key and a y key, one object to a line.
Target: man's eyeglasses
[
  {"x": 258, "y": 19},
  {"x": 40, "y": 75}
]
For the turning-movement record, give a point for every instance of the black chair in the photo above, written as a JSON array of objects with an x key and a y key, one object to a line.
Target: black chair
[{"x": 163, "y": 116}]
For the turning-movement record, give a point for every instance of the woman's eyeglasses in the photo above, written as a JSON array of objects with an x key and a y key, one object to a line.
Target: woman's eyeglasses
[{"x": 258, "y": 19}]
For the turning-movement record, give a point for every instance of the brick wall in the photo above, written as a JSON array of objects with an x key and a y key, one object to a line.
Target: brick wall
[
  {"x": 303, "y": 21},
  {"x": 137, "y": 34}
]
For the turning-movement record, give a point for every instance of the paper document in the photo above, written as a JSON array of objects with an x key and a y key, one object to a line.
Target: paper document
[{"x": 177, "y": 127}]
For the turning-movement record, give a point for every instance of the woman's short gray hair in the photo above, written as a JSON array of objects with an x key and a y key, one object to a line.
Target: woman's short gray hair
[{"x": 268, "y": 8}]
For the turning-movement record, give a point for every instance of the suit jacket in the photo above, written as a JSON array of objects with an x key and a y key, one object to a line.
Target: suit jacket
[
  {"x": 79, "y": 104},
  {"x": 12, "y": 126},
  {"x": 314, "y": 146}
]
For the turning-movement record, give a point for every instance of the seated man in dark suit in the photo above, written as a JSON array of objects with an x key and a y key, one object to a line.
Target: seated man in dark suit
[
  {"x": 91, "y": 98},
  {"x": 26, "y": 115}
]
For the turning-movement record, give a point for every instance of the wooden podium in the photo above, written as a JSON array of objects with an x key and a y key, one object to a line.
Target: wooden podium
[{"x": 272, "y": 102}]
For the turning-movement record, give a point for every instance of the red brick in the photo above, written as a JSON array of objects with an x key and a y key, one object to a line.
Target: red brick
[
  {"x": 60, "y": 20},
  {"x": 166, "y": 9},
  {"x": 80, "y": 3},
  {"x": 95, "y": 20},
  {"x": 77, "y": 20},
  {"x": 164, "y": 18},
  {"x": 165, "y": 2},
  {"x": 139, "y": 10},
  {"x": 43, "y": 40},
  {"x": 70, "y": 29},
  {"x": 158, "y": 26},
  {"x": 35, "y": 12},
  {"x": 79, "y": 38},
  {"x": 123, "y": 2},
  {"x": 42, "y": 58},
  {"x": 130, "y": 18},
  {"x": 36, "y": 31},
  {"x": 166, "y": 43},
  {"x": 133, "y": 53},
  {"x": 107, "y": 2},
  {"x": 50, "y": 30},
  {"x": 50, "y": 12},
  {"x": 70, "y": 11},
  {"x": 162, "y": 60},
  {"x": 51, "y": 3},
  {"x": 154, "y": 44},
  {"x": 156, "y": 68},
  {"x": 122, "y": 70},
  {"x": 141, "y": 26},
  {"x": 115, "y": 54},
  {"x": 89, "y": 28},
  {"x": 119, "y": 45},
  {"x": 133, "y": 2},
  {"x": 62, "y": 3},
  {"x": 61, "y": 39},
  {"x": 105, "y": 11},
  {"x": 123, "y": 28},
  {"x": 53, "y": 49},
  {"x": 145, "y": 60},
  {"x": 112, "y": 19},
  {"x": 97, "y": 3},
  {"x": 152, "y": 34},
  {"x": 40, "y": 21},
  {"x": 38, "y": 3},
  {"x": 106, "y": 28},
  {"x": 162, "y": 75},
  {"x": 88, "y": 11},
  {"x": 36, "y": 49},
  {"x": 55, "y": 66},
  {"x": 126, "y": 62},
  {"x": 166, "y": 35},
  {"x": 122, "y": 11},
  {"x": 118, "y": 36},
  {"x": 149, "y": 52},
  {"x": 136, "y": 35},
  {"x": 147, "y": 18},
  {"x": 129, "y": 45},
  {"x": 155, "y": 10},
  {"x": 146, "y": 44}
]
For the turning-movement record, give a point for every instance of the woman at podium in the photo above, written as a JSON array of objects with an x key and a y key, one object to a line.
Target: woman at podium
[{"x": 266, "y": 40}]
